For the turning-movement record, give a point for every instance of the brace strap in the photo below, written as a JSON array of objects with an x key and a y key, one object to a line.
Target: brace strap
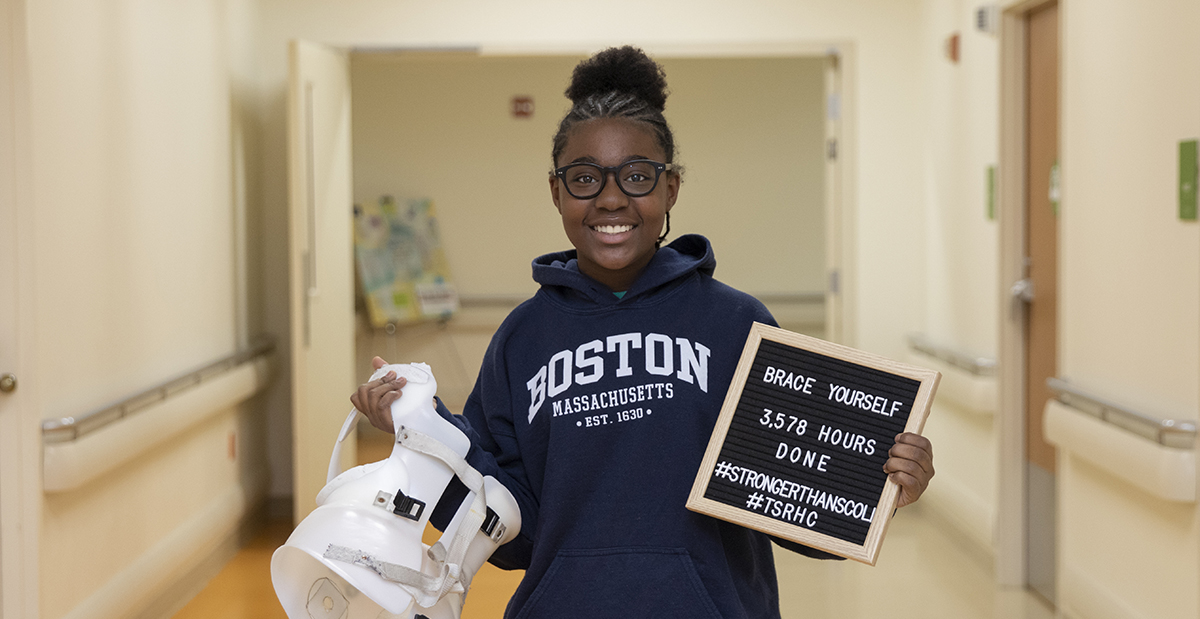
[
  {"x": 425, "y": 587},
  {"x": 471, "y": 522},
  {"x": 393, "y": 572},
  {"x": 335, "y": 466}
]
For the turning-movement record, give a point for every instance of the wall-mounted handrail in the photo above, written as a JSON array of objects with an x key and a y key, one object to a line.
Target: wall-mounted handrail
[
  {"x": 804, "y": 298},
  {"x": 68, "y": 429},
  {"x": 492, "y": 300},
  {"x": 975, "y": 364},
  {"x": 1180, "y": 434},
  {"x": 503, "y": 300}
]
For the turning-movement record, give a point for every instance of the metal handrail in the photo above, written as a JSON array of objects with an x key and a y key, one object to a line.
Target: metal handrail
[
  {"x": 67, "y": 429},
  {"x": 807, "y": 298},
  {"x": 501, "y": 300},
  {"x": 492, "y": 300},
  {"x": 1177, "y": 433},
  {"x": 977, "y": 365}
]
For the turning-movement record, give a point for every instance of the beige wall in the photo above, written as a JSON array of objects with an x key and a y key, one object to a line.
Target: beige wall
[
  {"x": 961, "y": 122},
  {"x": 1129, "y": 283},
  {"x": 438, "y": 126},
  {"x": 877, "y": 40},
  {"x": 1130, "y": 291},
  {"x": 131, "y": 175},
  {"x": 749, "y": 130},
  {"x": 138, "y": 152},
  {"x": 1130, "y": 267},
  {"x": 759, "y": 122},
  {"x": 961, "y": 257}
]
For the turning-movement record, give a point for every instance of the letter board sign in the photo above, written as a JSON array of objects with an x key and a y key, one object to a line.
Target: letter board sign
[{"x": 799, "y": 447}]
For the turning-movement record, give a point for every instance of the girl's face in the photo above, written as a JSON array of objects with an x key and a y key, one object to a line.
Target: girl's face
[{"x": 613, "y": 234}]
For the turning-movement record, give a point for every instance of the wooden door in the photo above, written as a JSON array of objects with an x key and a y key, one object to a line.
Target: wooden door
[
  {"x": 1041, "y": 333},
  {"x": 321, "y": 272},
  {"x": 20, "y": 438},
  {"x": 9, "y": 413}
]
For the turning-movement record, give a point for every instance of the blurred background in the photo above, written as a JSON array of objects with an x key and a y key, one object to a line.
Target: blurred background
[{"x": 1005, "y": 192}]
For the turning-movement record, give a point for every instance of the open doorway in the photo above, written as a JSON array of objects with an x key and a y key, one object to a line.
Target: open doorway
[
  {"x": 764, "y": 181},
  {"x": 444, "y": 129},
  {"x": 472, "y": 134},
  {"x": 752, "y": 135}
]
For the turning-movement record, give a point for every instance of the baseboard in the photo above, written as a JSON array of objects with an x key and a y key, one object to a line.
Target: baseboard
[
  {"x": 187, "y": 586},
  {"x": 165, "y": 577},
  {"x": 1081, "y": 597},
  {"x": 279, "y": 508},
  {"x": 962, "y": 516}
]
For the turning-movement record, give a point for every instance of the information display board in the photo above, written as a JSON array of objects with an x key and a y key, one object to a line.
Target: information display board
[{"x": 799, "y": 448}]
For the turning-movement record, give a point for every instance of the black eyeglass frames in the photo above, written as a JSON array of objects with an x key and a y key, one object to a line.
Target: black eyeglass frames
[{"x": 636, "y": 178}]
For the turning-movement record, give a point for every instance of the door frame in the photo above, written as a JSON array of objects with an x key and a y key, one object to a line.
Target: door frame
[
  {"x": 320, "y": 262},
  {"x": 20, "y": 423},
  {"x": 1011, "y": 529},
  {"x": 840, "y": 175},
  {"x": 839, "y": 204},
  {"x": 840, "y": 178}
]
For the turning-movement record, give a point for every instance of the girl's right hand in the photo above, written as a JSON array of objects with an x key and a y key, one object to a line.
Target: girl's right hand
[{"x": 374, "y": 399}]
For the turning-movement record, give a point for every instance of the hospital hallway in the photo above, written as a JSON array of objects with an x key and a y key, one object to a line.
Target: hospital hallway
[
  {"x": 922, "y": 573},
  {"x": 977, "y": 221}
]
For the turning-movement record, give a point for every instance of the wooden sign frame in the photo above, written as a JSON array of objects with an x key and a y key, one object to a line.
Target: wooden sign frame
[{"x": 845, "y": 358}]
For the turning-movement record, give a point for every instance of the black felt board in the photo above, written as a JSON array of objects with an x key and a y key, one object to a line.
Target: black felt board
[{"x": 798, "y": 451}]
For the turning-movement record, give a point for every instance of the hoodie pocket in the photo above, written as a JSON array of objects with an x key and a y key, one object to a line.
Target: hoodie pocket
[{"x": 620, "y": 582}]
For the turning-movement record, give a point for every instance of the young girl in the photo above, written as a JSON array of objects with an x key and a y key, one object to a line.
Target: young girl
[{"x": 597, "y": 397}]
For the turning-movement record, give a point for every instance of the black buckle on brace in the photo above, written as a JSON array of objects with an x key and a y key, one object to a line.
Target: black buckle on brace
[
  {"x": 408, "y": 507},
  {"x": 490, "y": 522},
  {"x": 492, "y": 527}
]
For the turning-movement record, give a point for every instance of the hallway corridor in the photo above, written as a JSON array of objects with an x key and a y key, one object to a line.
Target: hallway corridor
[
  {"x": 207, "y": 205},
  {"x": 921, "y": 574}
]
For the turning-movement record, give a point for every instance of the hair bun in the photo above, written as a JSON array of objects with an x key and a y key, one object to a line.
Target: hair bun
[{"x": 620, "y": 69}]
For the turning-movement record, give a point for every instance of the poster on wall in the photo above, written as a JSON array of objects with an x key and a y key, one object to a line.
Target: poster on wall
[{"x": 402, "y": 267}]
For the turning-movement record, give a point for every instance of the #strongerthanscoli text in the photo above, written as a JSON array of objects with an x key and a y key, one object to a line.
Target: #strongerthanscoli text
[{"x": 796, "y": 503}]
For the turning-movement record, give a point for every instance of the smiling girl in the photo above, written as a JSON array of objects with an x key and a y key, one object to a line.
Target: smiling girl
[{"x": 597, "y": 397}]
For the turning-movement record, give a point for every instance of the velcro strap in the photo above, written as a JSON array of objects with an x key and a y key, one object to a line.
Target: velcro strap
[
  {"x": 412, "y": 580},
  {"x": 472, "y": 521},
  {"x": 389, "y": 571}
]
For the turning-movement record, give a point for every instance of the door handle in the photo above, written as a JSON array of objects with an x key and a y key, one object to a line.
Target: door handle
[
  {"x": 8, "y": 383},
  {"x": 1022, "y": 290}
]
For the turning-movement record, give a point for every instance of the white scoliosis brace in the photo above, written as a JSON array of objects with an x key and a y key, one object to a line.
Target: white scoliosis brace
[{"x": 359, "y": 554}]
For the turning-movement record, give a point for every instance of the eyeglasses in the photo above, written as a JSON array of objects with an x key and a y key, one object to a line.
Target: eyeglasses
[{"x": 636, "y": 178}]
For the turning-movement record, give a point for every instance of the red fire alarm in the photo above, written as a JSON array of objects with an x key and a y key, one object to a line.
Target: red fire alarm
[{"x": 522, "y": 107}]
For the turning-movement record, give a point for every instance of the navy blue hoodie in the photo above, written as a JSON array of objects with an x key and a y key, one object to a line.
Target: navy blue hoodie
[{"x": 595, "y": 412}]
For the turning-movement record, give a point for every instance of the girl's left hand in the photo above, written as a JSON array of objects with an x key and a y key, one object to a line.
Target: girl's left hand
[{"x": 910, "y": 465}]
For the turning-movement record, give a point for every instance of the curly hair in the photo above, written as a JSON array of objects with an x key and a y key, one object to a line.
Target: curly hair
[{"x": 619, "y": 82}]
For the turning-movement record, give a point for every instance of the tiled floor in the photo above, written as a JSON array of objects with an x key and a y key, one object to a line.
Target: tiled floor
[{"x": 921, "y": 574}]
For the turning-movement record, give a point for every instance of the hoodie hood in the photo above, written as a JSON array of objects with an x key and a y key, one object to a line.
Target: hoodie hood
[{"x": 688, "y": 255}]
